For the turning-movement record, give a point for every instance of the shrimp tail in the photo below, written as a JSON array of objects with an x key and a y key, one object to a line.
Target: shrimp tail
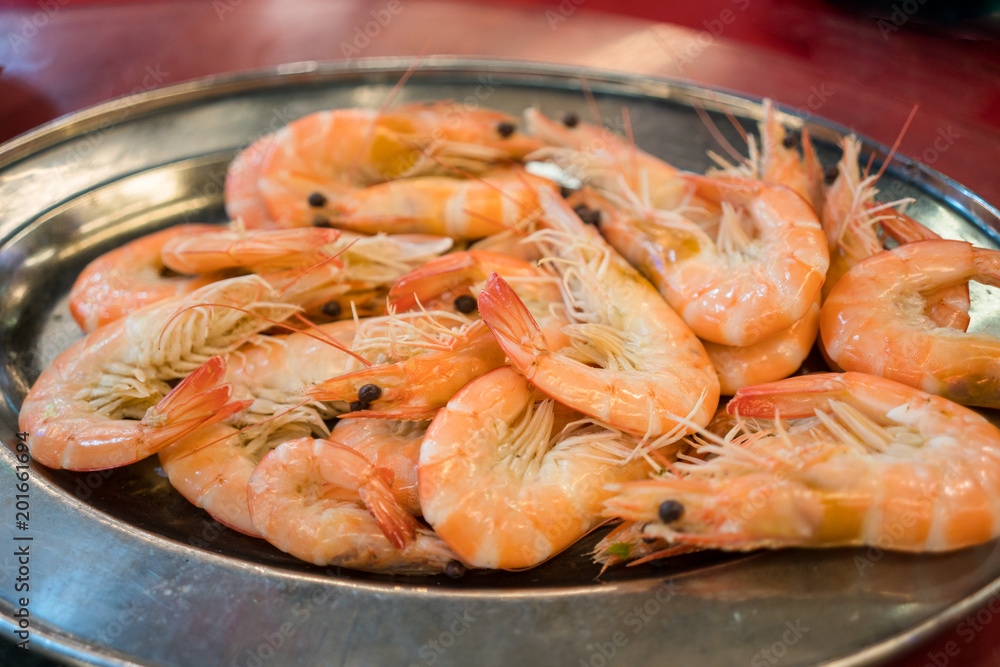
[
  {"x": 399, "y": 527},
  {"x": 198, "y": 401},
  {"x": 515, "y": 329}
]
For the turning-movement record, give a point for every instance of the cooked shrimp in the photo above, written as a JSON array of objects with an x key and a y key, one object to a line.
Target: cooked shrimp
[
  {"x": 632, "y": 362},
  {"x": 211, "y": 467},
  {"x": 462, "y": 208},
  {"x": 861, "y": 460},
  {"x": 132, "y": 276},
  {"x": 64, "y": 431},
  {"x": 771, "y": 359},
  {"x": 326, "y": 504},
  {"x": 875, "y": 321},
  {"x": 326, "y": 155},
  {"x": 244, "y": 204},
  {"x": 389, "y": 444},
  {"x": 80, "y": 411},
  {"x": 508, "y": 483},
  {"x": 759, "y": 277}
]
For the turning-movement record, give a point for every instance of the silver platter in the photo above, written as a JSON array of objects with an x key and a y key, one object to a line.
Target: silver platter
[{"x": 123, "y": 570}]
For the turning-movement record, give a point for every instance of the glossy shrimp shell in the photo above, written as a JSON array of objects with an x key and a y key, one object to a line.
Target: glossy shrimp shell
[
  {"x": 89, "y": 405},
  {"x": 875, "y": 321},
  {"x": 501, "y": 481},
  {"x": 326, "y": 504},
  {"x": 855, "y": 460},
  {"x": 132, "y": 276},
  {"x": 633, "y": 363}
]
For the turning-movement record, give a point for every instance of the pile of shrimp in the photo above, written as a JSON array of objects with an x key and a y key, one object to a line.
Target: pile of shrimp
[{"x": 408, "y": 354}]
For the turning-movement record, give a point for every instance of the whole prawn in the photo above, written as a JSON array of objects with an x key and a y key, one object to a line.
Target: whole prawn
[
  {"x": 876, "y": 321},
  {"x": 508, "y": 482},
  {"x": 318, "y": 159},
  {"x": 93, "y": 406},
  {"x": 831, "y": 460},
  {"x": 327, "y": 504},
  {"x": 632, "y": 362}
]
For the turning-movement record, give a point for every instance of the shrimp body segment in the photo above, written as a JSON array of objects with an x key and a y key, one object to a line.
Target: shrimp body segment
[
  {"x": 875, "y": 321},
  {"x": 130, "y": 277},
  {"x": 855, "y": 460},
  {"x": 326, "y": 504},
  {"x": 242, "y": 192},
  {"x": 768, "y": 360},
  {"x": 504, "y": 484},
  {"x": 462, "y": 208},
  {"x": 211, "y": 467}
]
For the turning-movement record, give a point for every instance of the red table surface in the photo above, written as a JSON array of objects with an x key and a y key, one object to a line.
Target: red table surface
[{"x": 865, "y": 72}]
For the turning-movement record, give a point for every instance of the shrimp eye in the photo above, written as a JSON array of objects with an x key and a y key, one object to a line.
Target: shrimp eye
[
  {"x": 830, "y": 175},
  {"x": 321, "y": 221},
  {"x": 791, "y": 140},
  {"x": 317, "y": 199},
  {"x": 565, "y": 192},
  {"x": 332, "y": 309},
  {"x": 670, "y": 511},
  {"x": 357, "y": 406},
  {"x": 505, "y": 129},
  {"x": 589, "y": 215},
  {"x": 454, "y": 569},
  {"x": 466, "y": 304},
  {"x": 570, "y": 119},
  {"x": 369, "y": 393}
]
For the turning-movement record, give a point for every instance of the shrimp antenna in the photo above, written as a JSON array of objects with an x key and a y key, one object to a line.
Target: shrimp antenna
[
  {"x": 595, "y": 113},
  {"x": 895, "y": 145},
  {"x": 713, "y": 129},
  {"x": 739, "y": 126},
  {"x": 588, "y": 95}
]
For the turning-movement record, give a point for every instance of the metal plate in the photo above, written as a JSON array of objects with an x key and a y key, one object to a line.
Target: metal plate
[{"x": 123, "y": 570}]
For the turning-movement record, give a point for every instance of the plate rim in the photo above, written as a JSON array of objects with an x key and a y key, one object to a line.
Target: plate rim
[{"x": 74, "y": 124}]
